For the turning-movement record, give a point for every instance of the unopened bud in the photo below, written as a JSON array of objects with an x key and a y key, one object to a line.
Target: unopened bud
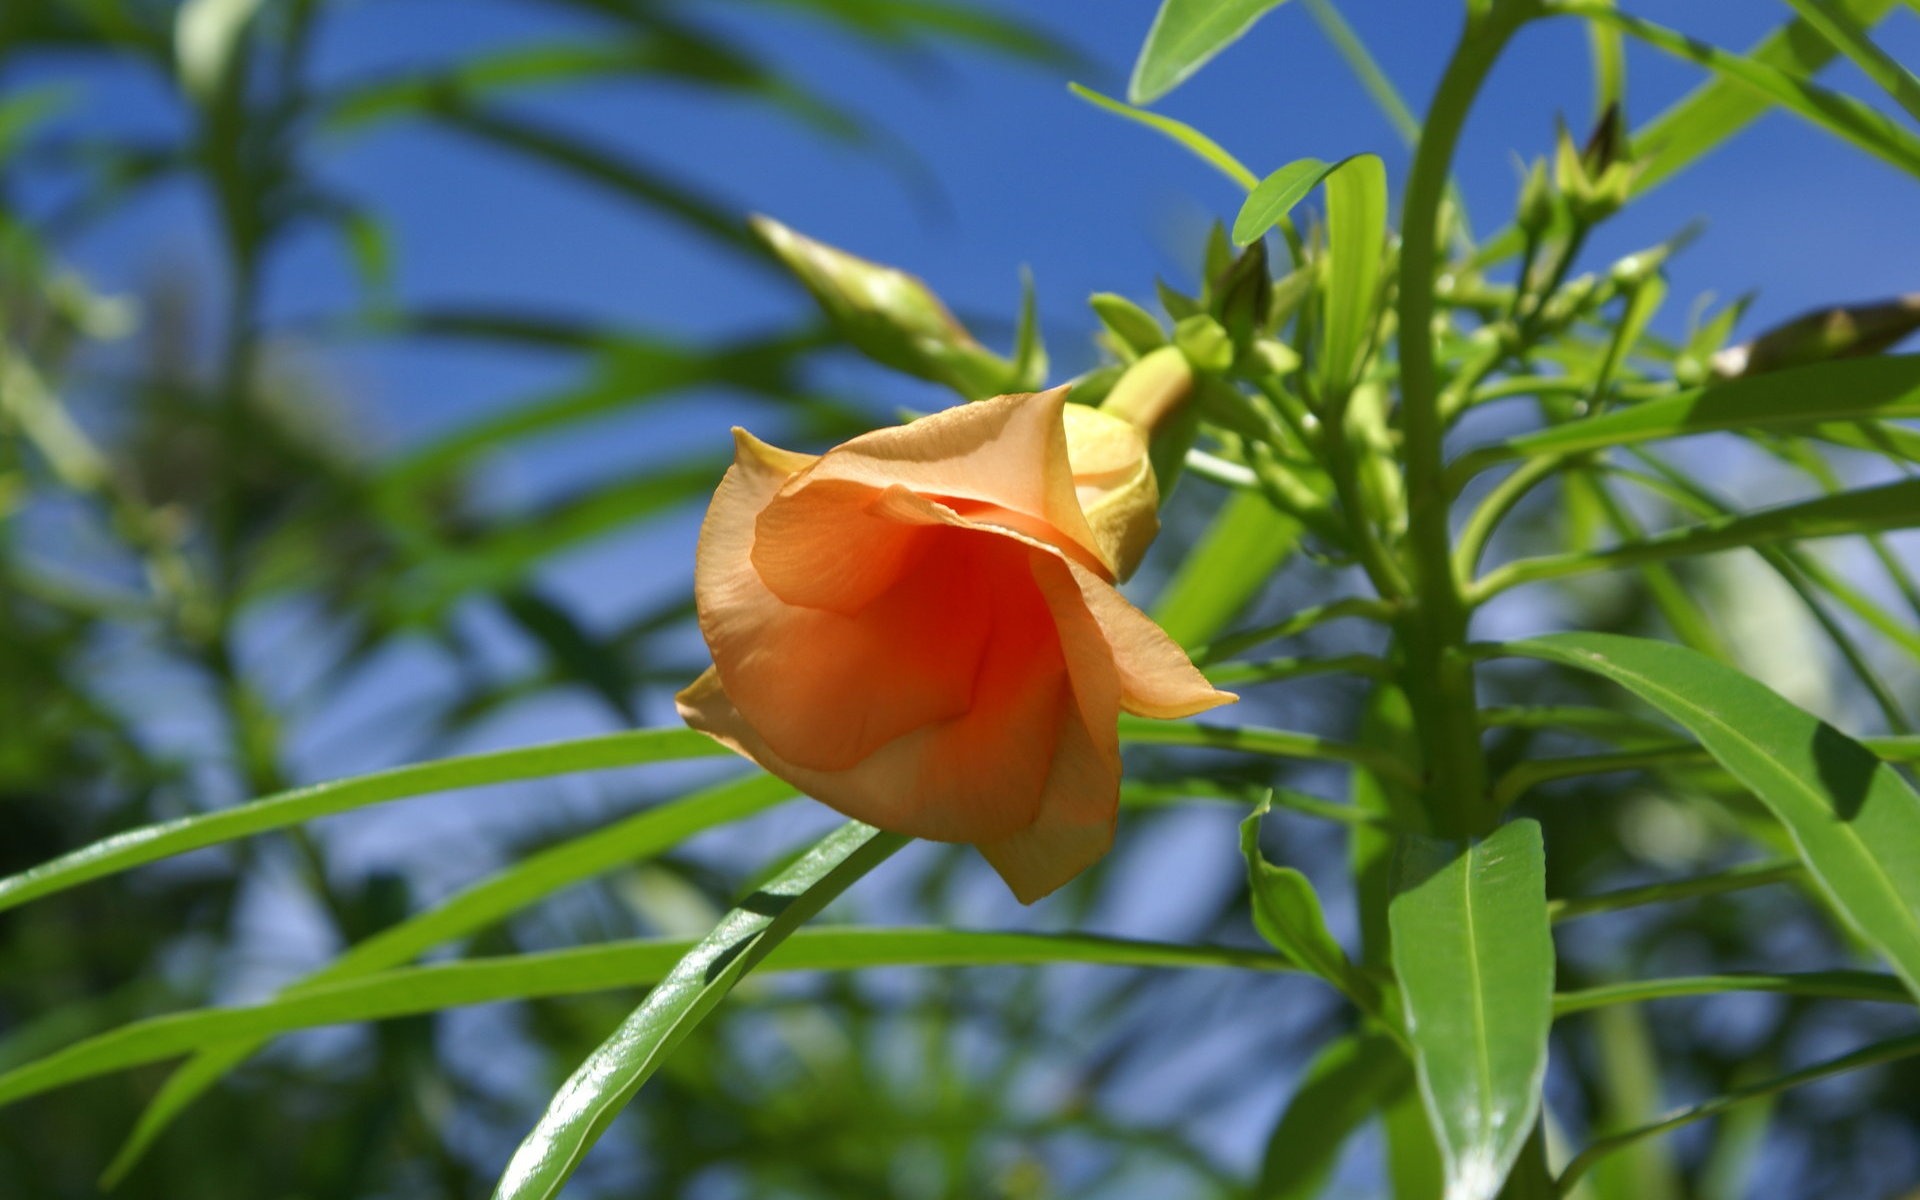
[
  {"x": 1153, "y": 397},
  {"x": 1535, "y": 211},
  {"x": 1114, "y": 480},
  {"x": 888, "y": 315},
  {"x": 1847, "y": 331},
  {"x": 1243, "y": 296},
  {"x": 1205, "y": 342}
]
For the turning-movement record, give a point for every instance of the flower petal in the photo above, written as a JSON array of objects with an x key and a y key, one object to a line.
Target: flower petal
[
  {"x": 822, "y": 688},
  {"x": 1156, "y": 677},
  {"x": 1005, "y": 459},
  {"x": 1081, "y": 800}
]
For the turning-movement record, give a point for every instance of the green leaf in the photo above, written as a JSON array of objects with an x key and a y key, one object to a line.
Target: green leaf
[
  {"x": 1870, "y": 1056},
  {"x": 1279, "y": 743},
  {"x": 529, "y": 880},
  {"x": 1850, "y": 37},
  {"x": 1474, "y": 957},
  {"x": 1850, "y": 389},
  {"x": 1269, "y": 203},
  {"x": 151, "y": 843},
  {"x": 580, "y": 970},
  {"x": 1223, "y": 572},
  {"x": 1185, "y": 35},
  {"x": 1287, "y": 913},
  {"x": 1840, "y": 115},
  {"x": 1356, "y": 241},
  {"x": 1186, "y": 135},
  {"x": 1717, "y": 110},
  {"x": 602, "y": 168},
  {"x": 1890, "y": 506},
  {"x": 206, "y": 35},
  {"x": 580, "y": 1112},
  {"x": 1360, "y": 61},
  {"x": 1348, "y": 1082},
  {"x": 1134, "y": 327},
  {"x": 1854, "y": 820}
]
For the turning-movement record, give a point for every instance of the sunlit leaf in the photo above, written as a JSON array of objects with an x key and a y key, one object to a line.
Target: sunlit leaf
[
  {"x": 1854, "y": 820},
  {"x": 154, "y": 842},
  {"x": 1199, "y": 143},
  {"x": 581, "y": 1110},
  {"x": 1474, "y": 957},
  {"x": 1184, "y": 36},
  {"x": 1356, "y": 242},
  {"x": 1269, "y": 203}
]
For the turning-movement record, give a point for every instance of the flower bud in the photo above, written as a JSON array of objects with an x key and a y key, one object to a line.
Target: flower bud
[
  {"x": 1597, "y": 178},
  {"x": 1113, "y": 478},
  {"x": 1152, "y": 396},
  {"x": 1243, "y": 295},
  {"x": 1205, "y": 342},
  {"x": 888, "y": 315},
  {"x": 1846, "y": 331},
  {"x": 1535, "y": 212}
]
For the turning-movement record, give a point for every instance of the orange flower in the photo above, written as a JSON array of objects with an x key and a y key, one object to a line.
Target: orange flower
[{"x": 920, "y": 629}]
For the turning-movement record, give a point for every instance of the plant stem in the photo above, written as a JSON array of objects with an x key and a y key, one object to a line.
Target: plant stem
[{"x": 1437, "y": 677}]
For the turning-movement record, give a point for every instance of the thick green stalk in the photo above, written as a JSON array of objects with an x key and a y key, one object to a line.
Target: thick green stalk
[{"x": 1438, "y": 677}]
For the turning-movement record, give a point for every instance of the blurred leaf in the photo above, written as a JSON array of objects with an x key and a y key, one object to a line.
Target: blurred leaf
[
  {"x": 620, "y": 176},
  {"x": 153, "y": 842},
  {"x": 1133, "y": 327},
  {"x": 207, "y": 34},
  {"x": 1474, "y": 958},
  {"x": 1843, "y": 390},
  {"x": 1870, "y": 1056},
  {"x": 1199, "y": 143},
  {"x": 1866, "y": 510},
  {"x": 1714, "y": 112},
  {"x": 1855, "y": 820},
  {"x": 1361, "y": 62},
  {"x": 1348, "y": 1082},
  {"x": 664, "y": 53},
  {"x": 1270, "y": 202},
  {"x": 582, "y": 655},
  {"x": 513, "y": 888},
  {"x": 640, "y": 963},
  {"x": 1840, "y": 115},
  {"x": 1850, "y": 37},
  {"x": 901, "y": 20},
  {"x": 601, "y": 1087},
  {"x": 1184, "y": 36}
]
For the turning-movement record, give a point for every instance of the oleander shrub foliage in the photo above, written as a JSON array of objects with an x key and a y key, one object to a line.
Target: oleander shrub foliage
[{"x": 1587, "y": 912}]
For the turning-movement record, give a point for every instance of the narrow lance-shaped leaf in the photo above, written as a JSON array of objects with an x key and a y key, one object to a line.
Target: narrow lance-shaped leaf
[
  {"x": 580, "y": 1112},
  {"x": 1853, "y": 389},
  {"x": 1347, "y": 1083},
  {"x": 151, "y": 843},
  {"x": 1185, "y": 35},
  {"x": 1237, "y": 556},
  {"x": 1854, "y": 820},
  {"x": 510, "y": 890},
  {"x": 1287, "y": 913},
  {"x": 1867, "y": 510},
  {"x": 409, "y": 991},
  {"x": 1717, "y": 110},
  {"x": 1208, "y": 150},
  {"x": 1838, "y": 114},
  {"x": 1474, "y": 957},
  {"x": 1356, "y": 239},
  {"x": 1275, "y": 196}
]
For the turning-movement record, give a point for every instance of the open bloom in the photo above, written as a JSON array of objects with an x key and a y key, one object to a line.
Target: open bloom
[{"x": 920, "y": 629}]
